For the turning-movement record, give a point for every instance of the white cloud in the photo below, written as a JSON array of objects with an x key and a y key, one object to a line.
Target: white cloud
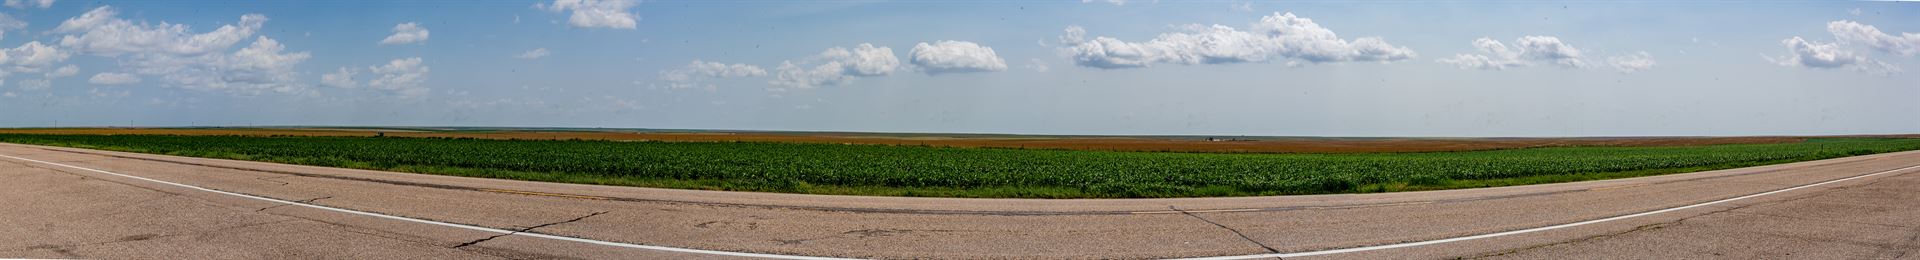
[
  {"x": 341, "y": 78},
  {"x": 1631, "y": 63},
  {"x": 1818, "y": 55},
  {"x": 837, "y": 66},
  {"x": 1550, "y": 49},
  {"x": 1907, "y": 44},
  {"x": 1855, "y": 11},
  {"x": 1244, "y": 7},
  {"x": 184, "y": 59},
  {"x": 955, "y": 56},
  {"x": 99, "y": 32},
  {"x": 1275, "y": 37},
  {"x": 401, "y": 77},
  {"x": 534, "y": 54},
  {"x": 24, "y": 4},
  {"x": 8, "y": 23},
  {"x": 261, "y": 66},
  {"x": 1114, "y": 2},
  {"x": 1498, "y": 56},
  {"x": 34, "y": 57},
  {"x": 1808, "y": 54},
  {"x": 1037, "y": 65},
  {"x": 596, "y": 13},
  {"x": 406, "y": 33},
  {"x": 700, "y": 71},
  {"x": 30, "y": 57},
  {"x": 111, "y": 78},
  {"x": 65, "y": 71},
  {"x": 1495, "y": 56}
]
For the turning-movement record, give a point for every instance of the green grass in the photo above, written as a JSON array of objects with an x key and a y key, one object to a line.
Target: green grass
[{"x": 971, "y": 172}]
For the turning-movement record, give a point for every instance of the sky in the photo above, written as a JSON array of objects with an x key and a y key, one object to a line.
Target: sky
[{"x": 1101, "y": 67}]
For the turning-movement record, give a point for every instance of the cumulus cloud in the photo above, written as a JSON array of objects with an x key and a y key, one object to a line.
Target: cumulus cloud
[
  {"x": 611, "y": 14},
  {"x": 65, "y": 71},
  {"x": 111, "y": 78},
  {"x": 100, "y": 32},
  {"x": 262, "y": 66},
  {"x": 1809, "y": 54},
  {"x": 1907, "y": 44},
  {"x": 1274, "y": 37},
  {"x": 533, "y": 54},
  {"x": 837, "y": 66},
  {"x": 30, "y": 57},
  {"x": 24, "y": 4},
  {"x": 1114, "y": 2},
  {"x": 34, "y": 57},
  {"x": 1550, "y": 49},
  {"x": 1530, "y": 50},
  {"x": 1495, "y": 55},
  {"x": 1631, "y": 63},
  {"x": 401, "y": 77},
  {"x": 341, "y": 78},
  {"x": 700, "y": 71},
  {"x": 406, "y": 33},
  {"x": 1818, "y": 55},
  {"x": 181, "y": 58},
  {"x": 955, "y": 56}
]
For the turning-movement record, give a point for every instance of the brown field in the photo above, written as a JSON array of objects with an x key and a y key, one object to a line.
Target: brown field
[{"x": 1172, "y": 144}]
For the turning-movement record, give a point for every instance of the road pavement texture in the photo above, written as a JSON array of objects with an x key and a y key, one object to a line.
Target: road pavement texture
[{"x": 77, "y": 203}]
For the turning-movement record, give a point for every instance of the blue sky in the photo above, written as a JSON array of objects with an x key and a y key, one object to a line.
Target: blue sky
[{"x": 1037, "y": 67}]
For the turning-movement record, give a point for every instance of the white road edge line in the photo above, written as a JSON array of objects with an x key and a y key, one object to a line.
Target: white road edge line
[
  {"x": 1538, "y": 229},
  {"x": 453, "y": 225}
]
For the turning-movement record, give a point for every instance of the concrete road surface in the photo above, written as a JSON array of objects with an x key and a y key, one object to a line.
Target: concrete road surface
[{"x": 76, "y": 203}]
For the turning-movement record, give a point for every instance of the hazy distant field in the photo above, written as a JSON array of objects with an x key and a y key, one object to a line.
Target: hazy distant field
[
  {"x": 971, "y": 172},
  {"x": 1099, "y": 143}
]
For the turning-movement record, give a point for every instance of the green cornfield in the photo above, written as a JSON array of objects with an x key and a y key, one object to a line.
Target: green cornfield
[{"x": 970, "y": 172}]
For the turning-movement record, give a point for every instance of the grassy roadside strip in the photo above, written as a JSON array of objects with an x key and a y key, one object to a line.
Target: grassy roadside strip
[{"x": 1008, "y": 173}]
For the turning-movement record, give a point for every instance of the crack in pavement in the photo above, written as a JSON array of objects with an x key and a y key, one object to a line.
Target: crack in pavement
[
  {"x": 65, "y": 249},
  {"x": 305, "y": 201},
  {"x": 863, "y": 234},
  {"x": 270, "y": 179},
  {"x": 1635, "y": 229},
  {"x": 523, "y": 230},
  {"x": 1243, "y": 236},
  {"x": 1911, "y": 240},
  {"x": 1822, "y": 220},
  {"x": 1654, "y": 226}
]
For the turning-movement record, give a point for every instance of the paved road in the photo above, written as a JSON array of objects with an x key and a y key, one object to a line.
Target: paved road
[{"x": 74, "y": 203}]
